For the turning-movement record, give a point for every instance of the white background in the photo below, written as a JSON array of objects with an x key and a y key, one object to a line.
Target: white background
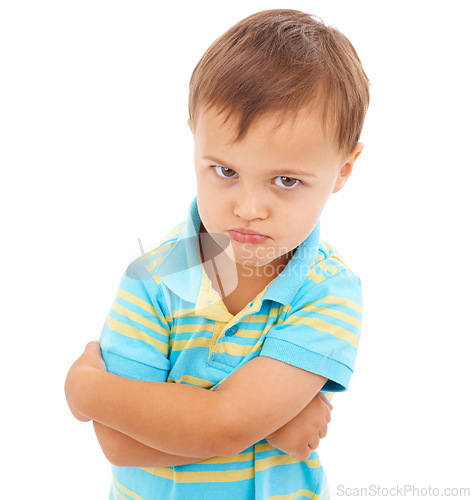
[{"x": 95, "y": 147}]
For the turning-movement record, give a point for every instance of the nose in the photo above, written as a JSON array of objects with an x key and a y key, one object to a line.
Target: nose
[{"x": 250, "y": 205}]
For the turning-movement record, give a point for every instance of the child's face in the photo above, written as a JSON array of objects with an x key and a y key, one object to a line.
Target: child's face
[{"x": 255, "y": 183}]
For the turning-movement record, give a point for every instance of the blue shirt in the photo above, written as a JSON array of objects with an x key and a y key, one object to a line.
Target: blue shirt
[{"x": 167, "y": 323}]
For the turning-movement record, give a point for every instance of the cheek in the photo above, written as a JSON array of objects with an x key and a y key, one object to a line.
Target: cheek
[
  {"x": 296, "y": 225},
  {"x": 216, "y": 202},
  {"x": 210, "y": 216},
  {"x": 288, "y": 217}
]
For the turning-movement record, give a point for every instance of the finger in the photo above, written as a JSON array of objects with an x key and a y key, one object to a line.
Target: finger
[
  {"x": 94, "y": 346},
  {"x": 323, "y": 398},
  {"x": 328, "y": 417},
  {"x": 304, "y": 453},
  {"x": 314, "y": 443},
  {"x": 92, "y": 350},
  {"x": 323, "y": 432}
]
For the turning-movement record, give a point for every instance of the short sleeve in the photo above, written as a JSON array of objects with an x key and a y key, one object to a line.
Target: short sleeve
[
  {"x": 135, "y": 335},
  {"x": 322, "y": 330}
]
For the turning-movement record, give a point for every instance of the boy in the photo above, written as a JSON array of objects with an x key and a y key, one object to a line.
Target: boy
[{"x": 243, "y": 308}]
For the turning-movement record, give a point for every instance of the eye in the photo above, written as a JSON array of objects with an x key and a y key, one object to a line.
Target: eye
[
  {"x": 289, "y": 181},
  {"x": 224, "y": 171}
]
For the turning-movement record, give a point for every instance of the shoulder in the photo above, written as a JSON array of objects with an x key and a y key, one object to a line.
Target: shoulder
[
  {"x": 165, "y": 245},
  {"x": 330, "y": 265},
  {"x": 327, "y": 263},
  {"x": 330, "y": 277},
  {"x": 148, "y": 262}
]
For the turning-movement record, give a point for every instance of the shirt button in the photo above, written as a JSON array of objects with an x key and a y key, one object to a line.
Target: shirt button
[{"x": 231, "y": 330}]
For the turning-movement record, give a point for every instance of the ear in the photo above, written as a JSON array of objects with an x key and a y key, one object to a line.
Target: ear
[
  {"x": 347, "y": 166},
  {"x": 189, "y": 124}
]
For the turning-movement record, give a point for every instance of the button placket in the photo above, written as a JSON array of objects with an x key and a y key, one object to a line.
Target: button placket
[{"x": 216, "y": 332}]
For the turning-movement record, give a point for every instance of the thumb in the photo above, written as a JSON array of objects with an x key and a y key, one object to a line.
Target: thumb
[{"x": 93, "y": 346}]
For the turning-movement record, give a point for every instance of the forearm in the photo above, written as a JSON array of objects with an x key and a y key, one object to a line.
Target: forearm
[
  {"x": 124, "y": 451},
  {"x": 179, "y": 419}
]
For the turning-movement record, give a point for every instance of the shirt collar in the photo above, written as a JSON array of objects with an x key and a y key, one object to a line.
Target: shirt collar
[{"x": 181, "y": 270}]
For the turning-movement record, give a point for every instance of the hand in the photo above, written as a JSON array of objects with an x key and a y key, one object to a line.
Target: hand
[
  {"x": 91, "y": 357},
  {"x": 90, "y": 360},
  {"x": 301, "y": 435}
]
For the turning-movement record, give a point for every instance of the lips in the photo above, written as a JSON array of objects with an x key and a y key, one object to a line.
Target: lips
[
  {"x": 247, "y": 231},
  {"x": 246, "y": 236}
]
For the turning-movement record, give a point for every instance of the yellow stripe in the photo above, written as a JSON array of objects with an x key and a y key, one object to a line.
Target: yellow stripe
[
  {"x": 189, "y": 379},
  {"x": 331, "y": 269},
  {"x": 184, "y": 311},
  {"x": 263, "y": 318},
  {"x": 132, "y": 332},
  {"x": 335, "y": 314},
  {"x": 137, "y": 301},
  {"x": 342, "y": 301},
  {"x": 179, "y": 345},
  {"x": 329, "y": 395},
  {"x": 316, "y": 277},
  {"x": 267, "y": 463},
  {"x": 158, "y": 260},
  {"x": 334, "y": 254},
  {"x": 196, "y": 327},
  {"x": 137, "y": 318},
  {"x": 119, "y": 495},
  {"x": 324, "y": 326},
  {"x": 162, "y": 249},
  {"x": 326, "y": 265},
  {"x": 201, "y": 476},
  {"x": 325, "y": 493},
  {"x": 229, "y": 475},
  {"x": 125, "y": 490},
  {"x": 237, "y": 349}
]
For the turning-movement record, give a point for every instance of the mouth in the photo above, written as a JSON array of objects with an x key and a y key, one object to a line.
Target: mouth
[
  {"x": 245, "y": 236},
  {"x": 247, "y": 231}
]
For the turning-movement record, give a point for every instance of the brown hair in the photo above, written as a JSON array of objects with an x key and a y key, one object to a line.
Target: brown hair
[{"x": 283, "y": 60}]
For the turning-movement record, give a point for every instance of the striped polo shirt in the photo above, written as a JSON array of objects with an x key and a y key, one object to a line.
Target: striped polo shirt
[{"x": 168, "y": 324}]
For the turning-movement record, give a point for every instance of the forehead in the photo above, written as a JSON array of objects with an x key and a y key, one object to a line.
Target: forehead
[{"x": 289, "y": 137}]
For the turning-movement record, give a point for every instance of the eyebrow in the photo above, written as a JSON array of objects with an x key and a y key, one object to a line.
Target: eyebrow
[{"x": 287, "y": 171}]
